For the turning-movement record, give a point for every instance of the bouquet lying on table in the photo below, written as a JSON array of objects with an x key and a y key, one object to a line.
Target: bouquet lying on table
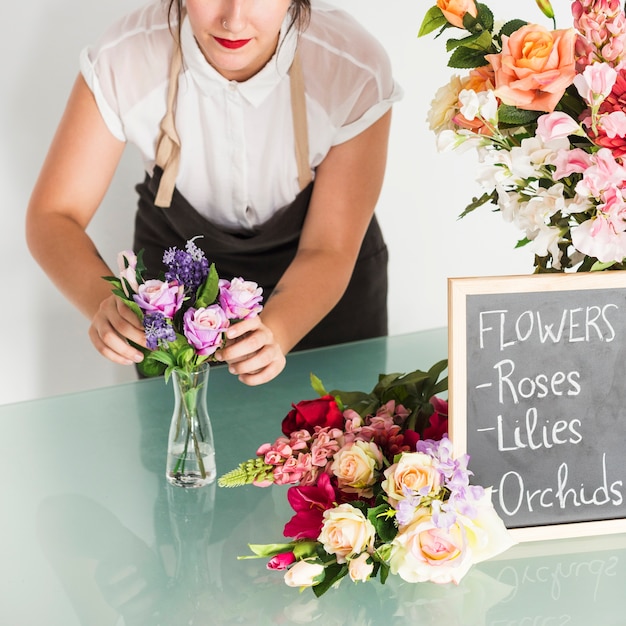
[{"x": 374, "y": 487}]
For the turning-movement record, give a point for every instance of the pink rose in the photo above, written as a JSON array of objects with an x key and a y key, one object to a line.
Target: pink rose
[
  {"x": 281, "y": 561},
  {"x": 240, "y": 298},
  {"x": 556, "y": 125},
  {"x": 535, "y": 67},
  {"x": 159, "y": 296},
  {"x": 204, "y": 328}
]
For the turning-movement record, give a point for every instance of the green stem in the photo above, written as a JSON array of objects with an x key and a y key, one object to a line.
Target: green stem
[{"x": 189, "y": 389}]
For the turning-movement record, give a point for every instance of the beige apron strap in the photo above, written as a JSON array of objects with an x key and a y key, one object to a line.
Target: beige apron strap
[
  {"x": 300, "y": 126},
  {"x": 168, "y": 148}
]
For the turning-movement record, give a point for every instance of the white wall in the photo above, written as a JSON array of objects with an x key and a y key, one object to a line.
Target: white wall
[{"x": 44, "y": 347}]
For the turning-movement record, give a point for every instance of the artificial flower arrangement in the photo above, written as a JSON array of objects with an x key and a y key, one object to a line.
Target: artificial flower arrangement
[
  {"x": 545, "y": 111},
  {"x": 185, "y": 313},
  {"x": 186, "y": 310},
  {"x": 374, "y": 487}
]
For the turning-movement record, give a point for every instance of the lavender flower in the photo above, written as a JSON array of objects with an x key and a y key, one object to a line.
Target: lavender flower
[
  {"x": 158, "y": 331},
  {"x": 188, "y": 267}
]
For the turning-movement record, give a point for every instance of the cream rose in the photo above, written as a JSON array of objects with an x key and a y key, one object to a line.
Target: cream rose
[
  {"x": 356, "y": 466},
  {"x": 415, "y": 472},
  {"x": 304, "y": 574},
  {"x": 422, "y": 552},
  {"x": 346, "y": 532},
  {"x": 359, "y": 569}
]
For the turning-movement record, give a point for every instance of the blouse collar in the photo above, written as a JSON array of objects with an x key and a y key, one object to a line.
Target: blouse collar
[{"x": 256, "y": 88}]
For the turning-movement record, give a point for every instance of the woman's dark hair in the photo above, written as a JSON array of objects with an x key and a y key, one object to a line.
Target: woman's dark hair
[{"x": 300, "y": 13}]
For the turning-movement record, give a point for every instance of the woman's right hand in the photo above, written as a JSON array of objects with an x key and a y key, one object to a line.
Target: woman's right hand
[{"x": 112, "y": 326}]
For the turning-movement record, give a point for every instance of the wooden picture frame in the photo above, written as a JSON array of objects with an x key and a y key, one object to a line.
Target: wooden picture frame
[{"x": 537, "y": 290}]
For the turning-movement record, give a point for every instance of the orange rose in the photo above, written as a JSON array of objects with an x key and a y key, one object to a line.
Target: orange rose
[
  {"x": 454, "y": 10},
  {"x": 535, "y": 67}
]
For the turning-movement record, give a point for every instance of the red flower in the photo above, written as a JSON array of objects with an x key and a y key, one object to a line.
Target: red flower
[
  {"x": 307, "y": 414},
  {"x": 437, "y": 428},
  {"x": 438, "y": 420},
  {"x": 309, "y": 503}
]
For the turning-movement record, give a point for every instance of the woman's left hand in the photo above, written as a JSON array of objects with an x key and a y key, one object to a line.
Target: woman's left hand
[{"x": 252, "y": 352}]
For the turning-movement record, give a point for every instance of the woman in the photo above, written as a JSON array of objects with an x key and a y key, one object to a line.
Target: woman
[{"x": 263, "y": 126}]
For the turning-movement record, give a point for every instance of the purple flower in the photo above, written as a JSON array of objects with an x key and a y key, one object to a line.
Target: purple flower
[
  {"x": 204, "y": 328},
  {"x": 188, "y": 267},
  {"x": 157, "y": 296},
  {"x": 158, "y": 330},
  {"x": 240, "y": 298}
]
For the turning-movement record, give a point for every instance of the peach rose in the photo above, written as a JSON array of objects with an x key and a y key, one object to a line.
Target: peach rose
[
  {"x": 355, "y": 467},
  {"x": 454, "y": 10},
  {"x": 535, "y": 67},
  {"x": 346, "y": 532},
  {"x": 415, "y": 472}
]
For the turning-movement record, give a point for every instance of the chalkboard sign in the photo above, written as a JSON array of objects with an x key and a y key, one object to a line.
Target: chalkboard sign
[{"x": 538, "y": 398}]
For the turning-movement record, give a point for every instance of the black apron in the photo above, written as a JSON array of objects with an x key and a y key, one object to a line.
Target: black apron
[{"x": 263, "y": 254}]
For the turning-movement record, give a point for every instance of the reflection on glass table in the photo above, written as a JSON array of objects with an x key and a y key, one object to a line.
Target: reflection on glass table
[{"x": 93, "y": 535}]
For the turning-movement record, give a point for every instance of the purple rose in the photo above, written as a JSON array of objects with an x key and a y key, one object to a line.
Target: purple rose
[
  {"x": 240, "y": 298},
  {"x": 155, "y": 295},
  {"x": 204, "y": 328}
]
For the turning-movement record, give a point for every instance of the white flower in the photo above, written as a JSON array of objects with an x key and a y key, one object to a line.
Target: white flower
[{"x": 304, "y": 574}]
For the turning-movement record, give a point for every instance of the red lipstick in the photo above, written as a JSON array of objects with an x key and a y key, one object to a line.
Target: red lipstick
[{"x": 232, "y": 44}]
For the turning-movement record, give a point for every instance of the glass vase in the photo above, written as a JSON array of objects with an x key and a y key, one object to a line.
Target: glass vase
[{"x": 190, "y": 449}]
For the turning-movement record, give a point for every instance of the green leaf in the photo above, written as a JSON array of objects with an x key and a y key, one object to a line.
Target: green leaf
[
  {"x": 513, "y": 116},
  {"x": 318, "y": 386},
  {"x": 464, "y": 58},
  {"x": 270, "y": 549},
  {"x": 598, "y": 266},
  {"x": 207, "y": 292},
  {"x": 478, "y": 202},
  {"x": 382, "y": 518},
  {"x": 433, "y": 20},
  {"x": 481, "y": 42},
  {"x": 484, "y": 18},
  {"x": 150, "y": 367},
  {"x": 510, "y": 27},
  {"x": 332, "y": 574}
]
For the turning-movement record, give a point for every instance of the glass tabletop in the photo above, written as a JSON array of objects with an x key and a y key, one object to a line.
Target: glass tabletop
[{"x": 92, "y": 533}]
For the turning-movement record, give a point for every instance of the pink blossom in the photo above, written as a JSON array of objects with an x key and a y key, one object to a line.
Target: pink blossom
[
  {"x": 240, "y": 299},
  {"x": 159, "y": 296},
  {"x": 556, "y": 125},
  {"x": 309, "y": 503},
  {"x": 597, "y": 238},
  {"x": 292, "y": 470},
  {"x": 204, "y": 328},
  {"x": 596, "y": 82},
  {"x": 281, "y": 561},
  {"x": 613, "y": 124},
  {"x": 568, "y": 162},
  {"x": 604, "y": 172}
]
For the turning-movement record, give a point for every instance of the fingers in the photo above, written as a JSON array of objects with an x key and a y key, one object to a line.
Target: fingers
[
  {"x": 252, "y": 353},
  {"x": 111, "y": 328}
]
